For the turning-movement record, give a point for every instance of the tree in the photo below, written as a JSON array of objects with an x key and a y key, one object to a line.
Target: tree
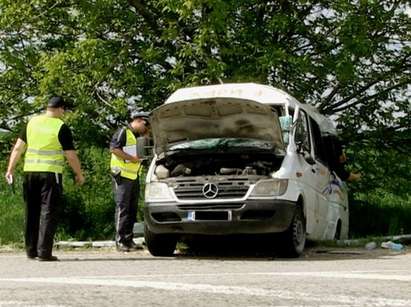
[{"x": 351, "y": 59}]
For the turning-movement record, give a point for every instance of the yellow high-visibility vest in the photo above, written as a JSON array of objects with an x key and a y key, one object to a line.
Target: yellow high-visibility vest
[
  {"x": 125, "y": 168},
  {"x": 44, "y": 152}
]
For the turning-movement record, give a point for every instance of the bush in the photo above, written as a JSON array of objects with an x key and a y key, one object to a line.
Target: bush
[
  {"x": 88, "y": 211},
  {"x": 379, "y": 213},
  {"x": 11, "y": 209}
]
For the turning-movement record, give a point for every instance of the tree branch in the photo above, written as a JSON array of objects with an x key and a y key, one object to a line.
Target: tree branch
[
  {"x": 329, "y": 97},
  {"x": 371, "y": 97},
  {"x": 330, "y": 109},
  {"x": 148, "y": 16}
]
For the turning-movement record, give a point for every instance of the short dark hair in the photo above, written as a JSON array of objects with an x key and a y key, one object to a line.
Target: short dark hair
[{"x": 57, "y": 102}]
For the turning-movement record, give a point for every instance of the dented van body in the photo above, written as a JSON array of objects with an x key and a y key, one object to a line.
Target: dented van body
[{"x": 241, "y": 159}]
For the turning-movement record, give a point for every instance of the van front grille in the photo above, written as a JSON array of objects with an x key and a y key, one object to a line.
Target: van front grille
[
  {"x": 227, "y": 189},
  {"x": 221, "y": 206}
]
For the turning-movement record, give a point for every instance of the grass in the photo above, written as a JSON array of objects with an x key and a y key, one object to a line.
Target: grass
[{"x": 11, "y": 214}]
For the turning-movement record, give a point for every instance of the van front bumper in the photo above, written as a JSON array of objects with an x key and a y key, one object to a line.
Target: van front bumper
[{"x": 225, "y": 218}]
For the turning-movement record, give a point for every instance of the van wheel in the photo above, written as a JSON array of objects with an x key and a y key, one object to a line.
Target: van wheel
[
  {"x": 160, "y": 244},
  {"x": 294, "y": 238}
]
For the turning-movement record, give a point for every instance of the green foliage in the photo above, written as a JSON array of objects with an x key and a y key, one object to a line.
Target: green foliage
[
  {"x": 351, "y": 59},
  {"x": 380, "y": 213},
  {"x": 88, "y": 211},
  {"x": 348, "y": 58},
  {"x": 11, "y": 210}
]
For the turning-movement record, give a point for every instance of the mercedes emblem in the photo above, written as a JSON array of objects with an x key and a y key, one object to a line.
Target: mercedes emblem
[{"x": 210, "y": 190}]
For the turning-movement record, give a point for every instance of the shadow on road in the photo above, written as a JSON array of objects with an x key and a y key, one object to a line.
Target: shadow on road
[
  {"x": 264, "y": 248},
  {"x": 102, "y": 258}
]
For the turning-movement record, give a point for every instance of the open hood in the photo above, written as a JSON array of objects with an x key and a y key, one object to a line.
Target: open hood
[{"x": 183, "y": 121}]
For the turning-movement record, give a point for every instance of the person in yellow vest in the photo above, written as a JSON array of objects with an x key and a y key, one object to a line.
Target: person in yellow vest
[
  {"x": 125, "y": 170},
  {"x": 46, "y": 140}
]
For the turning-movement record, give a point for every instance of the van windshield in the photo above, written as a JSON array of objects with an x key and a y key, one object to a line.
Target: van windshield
[{"x": 226, "y": 144}]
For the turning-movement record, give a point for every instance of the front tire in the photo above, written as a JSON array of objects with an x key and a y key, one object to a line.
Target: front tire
[
  {"x": 294, "y": 238},
  {"x": 162, "y": 245}
]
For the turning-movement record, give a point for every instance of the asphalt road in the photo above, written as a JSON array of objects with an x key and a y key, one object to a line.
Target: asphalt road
[{"x": 104, "y": 277}]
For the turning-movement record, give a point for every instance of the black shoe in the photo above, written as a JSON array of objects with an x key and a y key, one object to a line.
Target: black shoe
[
  {"x": 134, "y": 246},
  {"x": 31, "y": 257},
  {"x": 121, "y": 247},
  {"x": 48, "y": 258}
]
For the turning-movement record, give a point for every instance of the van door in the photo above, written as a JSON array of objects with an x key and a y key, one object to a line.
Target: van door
[
  {"x": 306, "y": 176},
  {"x": 323, "y": 180}
]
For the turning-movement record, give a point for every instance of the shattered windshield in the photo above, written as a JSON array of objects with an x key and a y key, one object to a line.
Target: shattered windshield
[{"x": 225, "y": 144}]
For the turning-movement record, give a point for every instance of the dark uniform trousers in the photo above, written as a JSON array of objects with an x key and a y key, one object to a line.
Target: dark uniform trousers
[
  {"x": 126, "y": 196},
  {"x": 42, "y": 194}
]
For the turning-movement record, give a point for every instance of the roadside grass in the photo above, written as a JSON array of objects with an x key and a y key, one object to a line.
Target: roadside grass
[
  {"x": 11, "y": 213},
  {"x": 380, "y": 215}
]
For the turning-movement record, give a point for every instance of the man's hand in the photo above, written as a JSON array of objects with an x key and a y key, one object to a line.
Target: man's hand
[
  {"x": 74, "y": 162},
  {"x": 135, "y": 159},
  {"x": 124, "y": 156},
  {"x": 9, "y": 177},
  {"x": 80, "y": 179},
  {"x": 354, "y": 177}
]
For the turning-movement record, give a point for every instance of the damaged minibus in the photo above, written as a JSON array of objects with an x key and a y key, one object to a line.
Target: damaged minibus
[{"x": 241, "y": 159}]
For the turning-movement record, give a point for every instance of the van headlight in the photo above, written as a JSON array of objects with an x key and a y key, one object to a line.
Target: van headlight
[
  {"x": 157, "y": 191},
  {"x": 270, "y": 187}
]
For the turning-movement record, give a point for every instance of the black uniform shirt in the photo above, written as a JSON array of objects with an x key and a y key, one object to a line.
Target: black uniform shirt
[
  {"x": 65, "y": 137},
  {"x": 119, "y": 138}
]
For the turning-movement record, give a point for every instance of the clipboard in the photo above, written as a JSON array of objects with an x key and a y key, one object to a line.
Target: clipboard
[{"x": 131, "y": 150}]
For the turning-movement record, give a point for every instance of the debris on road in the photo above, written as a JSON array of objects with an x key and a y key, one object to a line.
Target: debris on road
[
  {"x": 370, "y": 246},
  {"x": 393, "y": 246}
]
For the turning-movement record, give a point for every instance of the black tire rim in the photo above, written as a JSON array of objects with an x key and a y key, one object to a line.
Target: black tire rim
[{"x": 299, "y": 235}]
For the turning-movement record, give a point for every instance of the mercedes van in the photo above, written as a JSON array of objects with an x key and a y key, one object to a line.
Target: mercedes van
[{"x": 241, "y": 159}]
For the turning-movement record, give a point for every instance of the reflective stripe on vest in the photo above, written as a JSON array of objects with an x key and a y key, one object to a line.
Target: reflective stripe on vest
[
  {"x": 127, "y": 169},
  {"x": 44, "y": 152}
]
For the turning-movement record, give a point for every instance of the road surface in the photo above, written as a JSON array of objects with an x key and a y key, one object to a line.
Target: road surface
[{"x": 104, "y": 277}]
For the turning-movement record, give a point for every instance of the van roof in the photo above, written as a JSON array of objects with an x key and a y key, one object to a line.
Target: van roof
[{"x": 264, "y": 94}]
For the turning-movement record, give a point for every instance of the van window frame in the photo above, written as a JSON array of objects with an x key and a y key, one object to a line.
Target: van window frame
[
  {"x": 319, "y": 151},
  {"x": 303, "y": 120}
]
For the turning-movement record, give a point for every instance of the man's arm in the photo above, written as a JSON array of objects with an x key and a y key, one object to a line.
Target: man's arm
[
  {"x": 74, "y": 163},
  {"x": 15, "y": 156},
  {"x": 117, "y": 143},
  {"x": 123, "y": 155}
]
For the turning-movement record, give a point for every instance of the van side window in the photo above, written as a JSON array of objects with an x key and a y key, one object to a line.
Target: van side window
[
  {"x": 320, "y": 150},
  {"x": 334, "y": 149},
  {"x": 302, "y": 136}
]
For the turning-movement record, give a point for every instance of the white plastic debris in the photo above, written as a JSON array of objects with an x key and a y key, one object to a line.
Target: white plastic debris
[
  {"x": 370, "y": 246},
  {"x": 393, "y": 246}
]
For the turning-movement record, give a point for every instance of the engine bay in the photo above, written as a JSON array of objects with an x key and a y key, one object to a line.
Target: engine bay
[{"x": 191, "y": 165}]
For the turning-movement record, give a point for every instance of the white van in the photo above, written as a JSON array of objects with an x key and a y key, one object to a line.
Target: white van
[{"x": 241, "y": 159}]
